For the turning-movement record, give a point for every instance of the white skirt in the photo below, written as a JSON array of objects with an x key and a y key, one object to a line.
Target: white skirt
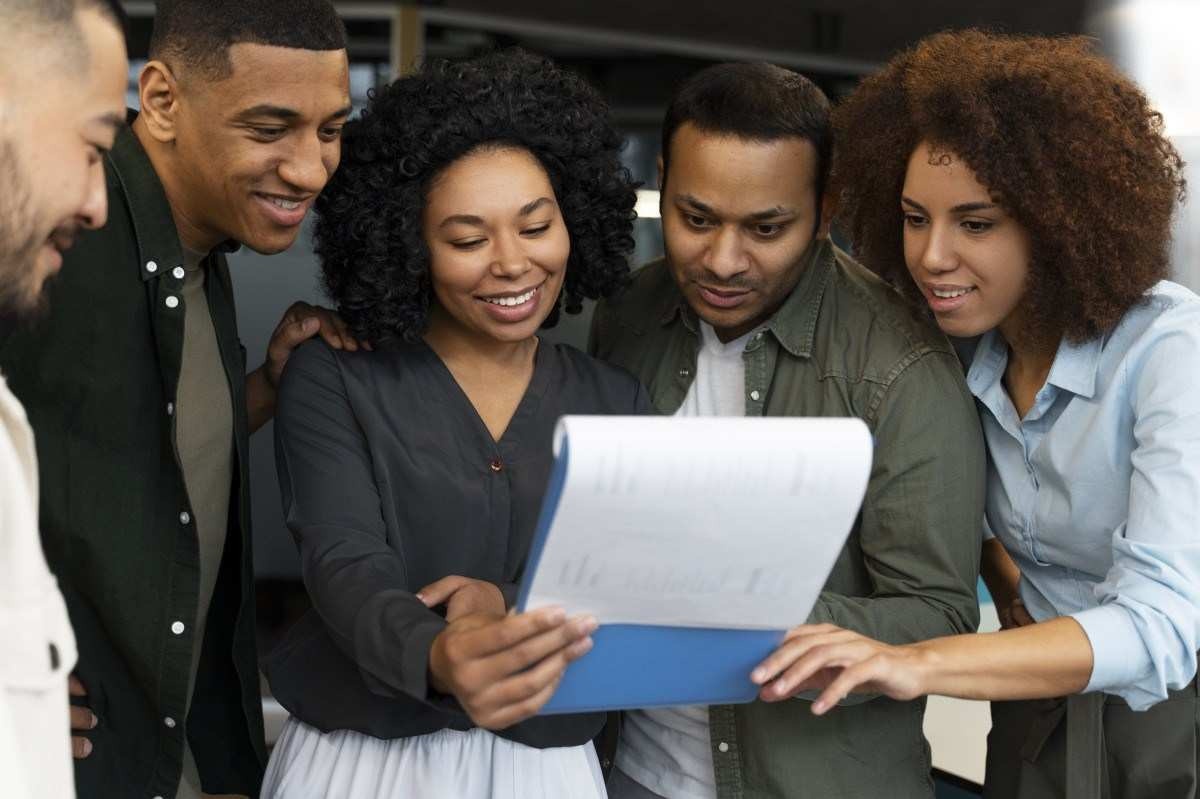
[{"x": 309, "y": 764}]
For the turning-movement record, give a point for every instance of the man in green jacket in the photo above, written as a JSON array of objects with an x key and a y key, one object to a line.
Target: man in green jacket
[
  {"x": 753, "y": 311},
  {"x": 136, "y": 384}
]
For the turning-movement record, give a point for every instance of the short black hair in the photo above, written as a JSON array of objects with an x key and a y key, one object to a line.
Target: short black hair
[
  {"x": 754, "y": 101},
  {"x": 368, "y": 229},
  {"x": 197, "y": 34}
]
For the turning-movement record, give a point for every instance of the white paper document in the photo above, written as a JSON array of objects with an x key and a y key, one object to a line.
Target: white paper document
[{"x": 698, "y": 522}]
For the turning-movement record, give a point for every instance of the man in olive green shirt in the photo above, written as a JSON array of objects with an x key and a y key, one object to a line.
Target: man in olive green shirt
[{"x": 753, "y": 311}]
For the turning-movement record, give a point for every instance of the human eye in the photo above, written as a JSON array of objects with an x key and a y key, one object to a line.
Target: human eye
[
  {"x": 331, "y": 132},
  {"x": 696, "y": 221},
  {"x": 267, "y": 132},
  {"x": 472, "y": 243},
  {"x": 533, "y": 231},
  {"x": 977, "y": 225},
  {"x": 914, "y": 220},
  {"x": 768, "y": 230}
]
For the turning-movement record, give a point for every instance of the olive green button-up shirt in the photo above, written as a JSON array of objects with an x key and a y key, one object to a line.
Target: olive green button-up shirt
[
  {"x": 98, "y": 377},
  {"x": 842, "y": 344}
]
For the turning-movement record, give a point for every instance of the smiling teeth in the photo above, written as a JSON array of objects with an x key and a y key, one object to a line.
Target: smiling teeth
[
  {"x": 943, "y": 294},
  {"x": 520, "y": 299},
  {"x": 287, "y": 205}
]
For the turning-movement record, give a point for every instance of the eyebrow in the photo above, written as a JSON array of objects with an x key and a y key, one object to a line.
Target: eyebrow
[
  {"x": 112, "y": 120},
  {"x": 769, "y": 213},
  {"x": 284, "y": 114},
  {"x": 470, "y": 219},
  {"x": 961, "y": 208}
]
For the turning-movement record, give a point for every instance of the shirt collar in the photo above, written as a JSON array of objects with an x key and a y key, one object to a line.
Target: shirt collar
[
  {"x": 158, "y": 245},
  {"x": 1074, "y": 369},
  {"x": 159, "y": 248},
  {"x": 794, "y": 324}
]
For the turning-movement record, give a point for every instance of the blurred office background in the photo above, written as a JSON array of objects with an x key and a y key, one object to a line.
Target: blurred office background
[{"x": 636, "y": 52}]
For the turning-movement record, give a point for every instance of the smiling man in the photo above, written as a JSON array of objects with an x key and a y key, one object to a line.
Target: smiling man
[
  {"x": 754, "y": 312},
  {"x": 136, "y": 385}
]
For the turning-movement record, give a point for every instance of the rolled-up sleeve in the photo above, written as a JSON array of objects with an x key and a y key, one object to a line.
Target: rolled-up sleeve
[
  {"x": 920, "y": 533},
  {"x": 355, "y": 577},
  {"x": 1146, "y": 629}
]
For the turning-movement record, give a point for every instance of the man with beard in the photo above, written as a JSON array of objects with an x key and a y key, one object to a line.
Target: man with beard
[
  {"x": 754, "y": 312},
  {"x": 136, "y": 385},
  {"x": 62, "y": 88}
]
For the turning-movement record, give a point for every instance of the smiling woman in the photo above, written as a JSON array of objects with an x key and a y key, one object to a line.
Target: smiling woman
[
  {"x": 473, "y": 201},
  {"x": 1022, "y": 190}
]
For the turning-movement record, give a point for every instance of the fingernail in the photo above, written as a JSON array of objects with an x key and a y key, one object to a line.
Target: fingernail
[
  {"x": 585, "y": 645},
  {"x": 820, "y": 706},
  {"x": 95, "y": 721},
  {"x": 87, "y": 747},
  {"x": 757, "y": 675},
  {"x": 556, "y": 615},
  {"x": 588, "y": 624}
]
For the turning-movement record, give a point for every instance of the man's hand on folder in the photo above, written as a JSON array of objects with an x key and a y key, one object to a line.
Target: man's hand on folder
[{"x": 502, "y": 669}]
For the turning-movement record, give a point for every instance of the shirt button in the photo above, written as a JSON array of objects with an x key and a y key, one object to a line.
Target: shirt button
[
  {"x": 723, "y": 747},
  {"x": 177, "y": 628},
  {"x": 170, "y": 409},
  {"x": 151, "y": 267},
  {"x": 172, "y": 301},
  {"x": 170, "y": 722},
  {"x": 177, "y": 272},
  {"x": 496, "y": 465},
  {"x": 158, "y": 797},
  {"x": 685, "y": 372},
  {"x": 185, "y": 517},
  {"x": 754, "y": 395}
]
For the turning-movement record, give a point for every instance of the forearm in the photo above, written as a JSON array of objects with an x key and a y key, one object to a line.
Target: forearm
[
  {"x": 901, "y": 619},
  {"x": 1039, "y": 661},
  {"x": 260, "y": 398}
]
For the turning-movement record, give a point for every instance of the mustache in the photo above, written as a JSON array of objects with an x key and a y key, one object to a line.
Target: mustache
[{"x": 733, "y": 284}]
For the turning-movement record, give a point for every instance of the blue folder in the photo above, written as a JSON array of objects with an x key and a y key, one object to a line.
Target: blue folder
[{"x": 635, "y": 666}]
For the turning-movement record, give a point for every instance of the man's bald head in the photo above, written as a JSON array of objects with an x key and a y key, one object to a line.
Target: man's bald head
[
  {"x": 63, "y": 74},
  {"x": 52, "y": 28}
]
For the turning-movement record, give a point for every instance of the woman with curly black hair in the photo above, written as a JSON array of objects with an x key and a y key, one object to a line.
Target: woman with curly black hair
[
  {"x": 1022, "y": 190},
  {"x": 474, "y": 201}
]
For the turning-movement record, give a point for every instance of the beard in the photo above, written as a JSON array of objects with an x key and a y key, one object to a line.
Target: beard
[{"x": 19, "y": 242}]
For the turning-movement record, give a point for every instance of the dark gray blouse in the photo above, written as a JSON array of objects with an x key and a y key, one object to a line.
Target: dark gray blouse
[{"x": 390, "y": 480}]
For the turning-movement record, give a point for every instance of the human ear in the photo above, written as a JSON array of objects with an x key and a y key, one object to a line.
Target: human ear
[{"x": 158, "y": 91}]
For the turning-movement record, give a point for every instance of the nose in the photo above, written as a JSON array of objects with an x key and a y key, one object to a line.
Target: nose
[
  {"x": 939, "y": 254},
  {"x": 509, "y": 257},
  {"x": 304, "y": 168},
  {"x": 725, "y": 257},
  {"x": 94, "y": 211}
]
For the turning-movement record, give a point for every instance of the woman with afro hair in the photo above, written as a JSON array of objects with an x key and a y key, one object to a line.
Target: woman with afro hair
[
  {"x": 1021, "y": 190},
  {"x": 474, "y": 201}
]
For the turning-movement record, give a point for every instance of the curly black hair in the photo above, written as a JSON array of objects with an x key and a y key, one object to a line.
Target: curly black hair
[
  {"x": 368, "y": 229},
  {"x": 1067, "y": 144}
]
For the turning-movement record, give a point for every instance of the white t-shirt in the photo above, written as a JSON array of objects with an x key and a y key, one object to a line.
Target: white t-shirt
[
  {"x": 668, "y": 749},
  {"x": 37, "y": 648}
]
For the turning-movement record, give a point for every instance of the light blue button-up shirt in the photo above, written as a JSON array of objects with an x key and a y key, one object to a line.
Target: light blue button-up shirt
[{"x": 1096, "y": 492}]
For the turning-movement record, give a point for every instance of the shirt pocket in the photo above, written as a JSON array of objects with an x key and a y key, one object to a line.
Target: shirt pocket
[{"x": 39, "y": 648}]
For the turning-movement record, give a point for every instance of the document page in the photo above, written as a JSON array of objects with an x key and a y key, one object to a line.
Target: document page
[{"x": 698, "y": 522}]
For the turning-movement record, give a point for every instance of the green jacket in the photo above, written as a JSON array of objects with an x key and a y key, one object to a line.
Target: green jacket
[
  {"x": 842, "y": 344},
  {"x": 97, "y": 376}
]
